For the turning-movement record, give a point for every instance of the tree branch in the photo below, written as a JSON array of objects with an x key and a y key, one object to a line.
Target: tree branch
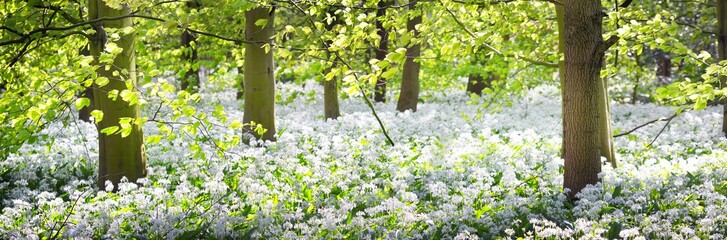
[{"x": 668, "y": 119}]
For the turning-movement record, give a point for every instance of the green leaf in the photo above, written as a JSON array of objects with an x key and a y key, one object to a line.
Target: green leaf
[
  {"x": 82, "y": 102},
  {"x": 261, "y": 22},
  {"x": 110, "y": 130},
  {"x": 97, "y": 115}
]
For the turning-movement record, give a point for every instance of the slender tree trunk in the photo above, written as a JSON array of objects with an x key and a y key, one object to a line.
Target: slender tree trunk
[
  {"x": 722, "y": 49},
  {"x": 560, "y": 17},
  {"x": 663, "y": 67},
  {"x": 330, "y": 87},
  {"x": 190, "y": 80},
  {"x": 604, "y": 123},
  {"x": 259, "y": 79},
  {"x": 84, "y": 114},
  {"x": 118, "y": 156},
  {"x": 584, "y": 54},
  {"x": 380, "y": 88},
  {"x": 639, "y": 72},
  {"x": 409, "y": 96}
]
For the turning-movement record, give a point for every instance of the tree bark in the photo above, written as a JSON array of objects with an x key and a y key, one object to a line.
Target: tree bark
[
  {"x": 382, "y": 50},
  {"x": 258, "y": 70},
  {"x": 84, "y": 114},
  {"x": 584, "y": 54},
  {"x": 409, "y": 96},
  {"x": 722, "y": 50},
  {"x": 331, "y": 107},
  {"x": 118, "y": 157}
]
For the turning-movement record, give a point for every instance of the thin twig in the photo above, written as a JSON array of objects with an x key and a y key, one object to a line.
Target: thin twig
[
  {"x": 662, "y": 130},
  {"x": 668, "y": 119}
]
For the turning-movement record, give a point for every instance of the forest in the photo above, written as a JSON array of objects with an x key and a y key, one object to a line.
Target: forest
[{"x": 363, "y": 119}]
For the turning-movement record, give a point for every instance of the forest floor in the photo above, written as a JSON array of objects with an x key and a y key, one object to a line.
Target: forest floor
[{"x": 460, "y": 168}]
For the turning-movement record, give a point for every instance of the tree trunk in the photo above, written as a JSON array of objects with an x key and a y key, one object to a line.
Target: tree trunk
[
  {"x": 409, "y": 96},
  {"x": 604, "y": 123},
  {"x": 476, "y": 82},
  {"x": 663, "y": 67},
  {"x": 331, "y": 107},
  {"x": 560, "y": 18},
  {"x": 84, "y": 114},
  {"x": 722, "y": 49},
  {"x": 190, "y": 80},
  {"x": 584, "y": 54},
  {"x": 380, "y": 88},
  {"x": 258, "y": 70},
  {"x": 637, "y": 81},
  {"x": 118, "y": 157}
]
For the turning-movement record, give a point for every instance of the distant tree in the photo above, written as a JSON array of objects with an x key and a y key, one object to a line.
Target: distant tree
[
  {"x": 331, "y": 107},
  {"x": 582, "y": 87},
  {"x": 84, "y": 114},
  {"x": 382, "y": 49},
  {"x": 120, "y": 155},
  {"x": 409, "y": 96},
  {"x": 190, "y": 78},
  {"x": 259, "y": 71}
]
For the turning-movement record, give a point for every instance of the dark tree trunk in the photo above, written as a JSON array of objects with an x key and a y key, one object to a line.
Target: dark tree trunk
[
  {"x": 409, "y": 96},
  {"x": 382, "y": 50},
  {"x": 84, "y": 114},
  {"x": 584, "y": 54},
  {"x": 190, "y": 80},
  {"x": 663, "y": 67}
]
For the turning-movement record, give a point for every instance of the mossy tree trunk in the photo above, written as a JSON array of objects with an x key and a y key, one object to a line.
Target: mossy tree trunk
[
  {"x": 409, "y": 96},
  {"x": 582, "y": 90},
  {"x": 118, "y": 156},
  {"x": 382, "y": 50},
  {"x": 258, "y": 70}
]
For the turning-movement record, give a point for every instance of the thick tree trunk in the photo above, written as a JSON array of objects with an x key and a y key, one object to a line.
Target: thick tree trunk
[
  {"x": 331, "y": 107},
  {"x": 584, "y": 54},
  {"x": 409, "y": 96},
  {"x": 259, "y": 79},
  {"x": 380, "y": 88},
  {"x": 722, "y": 49},
  {"x": 118, "y": 157},
  {"x": 84, "y": 114}
]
